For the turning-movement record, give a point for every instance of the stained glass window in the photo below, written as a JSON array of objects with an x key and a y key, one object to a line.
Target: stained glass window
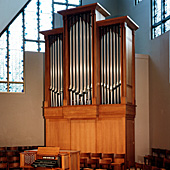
[
  {"x": 167, "y": 25},
  {"x": 160, "y": 17},
  {"x": 16, "y": 50},
  {"x": 42, "y": 47},
  {"x": 23, "y": 35},
  {"x": 16, "y": 87},
  {"x": 167, "y": 8},
  {"x": 157, "y": 31},
  {"x": 31, "y": 46},
  {"x": 3, "y": 57},
  {"x": 3, "y": 87},
  {"x": 31, "y": 23},
  {"x": 157, "y": 11},
  {"x": 45, "y": 16}
]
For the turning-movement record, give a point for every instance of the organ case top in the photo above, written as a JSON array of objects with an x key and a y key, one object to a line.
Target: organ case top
[
  {"x": 90, "y": 61},
  {"x": 90, "y": 75}
]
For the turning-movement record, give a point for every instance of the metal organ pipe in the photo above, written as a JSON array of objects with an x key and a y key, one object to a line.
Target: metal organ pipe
[
  {"x": 71, "y": 62},
  {"x": 77, "y": 59},
  {"x": 80, "y": 39},
  {"x": 101, "y": 66},
  {"x": 91, "y": 69},
  {"x": 104, "y": 75},
  {"x": 51, "y": 70},
  {"x": 81, "y": 60},
  {"x": 110, "y": 65},
  {"x": 56, "y": 70},
  {"x": 61, "y": 69},
  {"x": 85, "y": 58},
  {"x": 74, "y": 62},
  {"x": 88, "y": 61}
]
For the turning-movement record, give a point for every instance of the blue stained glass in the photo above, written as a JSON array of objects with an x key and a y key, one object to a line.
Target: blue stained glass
[
  {"x": 45, "y": 23},
  {"x": 76, "y": 2},
  {"x": 16, "y": 50},
  {"x": 59, "y": 8},
  {"x": 3, "y": 57},
  {"x": 16, "y": 87},
  {"x": 32, "y": 6},
  {"x": 157, "y": 11},
  {"x": 16, "y": 66},
  {"x": 31, "y": 22},
  {"x": 3, "y": 87},
  {"x": 31, "y": 46},
  {"x": 167, "y": 25},
  {"x": 42, "y": 47},
  {"x": 157, "y": 31},
  {"x": 16, "y": 34},
  {"x": 167, "y": 8}
]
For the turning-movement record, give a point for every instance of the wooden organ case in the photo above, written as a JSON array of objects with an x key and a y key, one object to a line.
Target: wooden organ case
[{"x": 90, "y": 82}]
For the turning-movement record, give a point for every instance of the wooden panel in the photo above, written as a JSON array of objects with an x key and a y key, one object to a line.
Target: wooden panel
[
  {"x": 129, "y": 55},
  {"x": 75, "y": 161},
  {"x": 58, "y": 133},
  {"x": 80, "y": 111},
  {"x": 111, "y": 135},
  {"x": 83, "y": 135},
  {"x": 112, "y": 110},
  {"x": 129, "y": 94},
  {"x": 129, "y": 64},
  {"x": 48, "y": 151},
  {"x": 53, "y": 112},
  {"x": 130, "y": 144}
]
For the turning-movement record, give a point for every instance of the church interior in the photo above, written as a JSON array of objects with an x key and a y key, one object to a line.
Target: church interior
[{"x": 130, "y": 118}]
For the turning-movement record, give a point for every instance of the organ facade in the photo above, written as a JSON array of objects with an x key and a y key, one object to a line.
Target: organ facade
[{"x": 90, "y": 82}]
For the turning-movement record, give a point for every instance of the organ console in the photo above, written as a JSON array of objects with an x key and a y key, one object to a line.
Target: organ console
[
  {"x": 51, "y": 158},
  {"x": 90, "y": 82}
]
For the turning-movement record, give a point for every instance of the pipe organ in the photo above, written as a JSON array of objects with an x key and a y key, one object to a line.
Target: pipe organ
[{"x": 90, "y": 82}]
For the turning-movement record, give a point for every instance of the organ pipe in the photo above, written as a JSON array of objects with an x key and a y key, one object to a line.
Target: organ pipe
[
  {"x": 110, "y": 65},
  {"x": 80, "y": 44},
  {"x": 56, "y": 70}
]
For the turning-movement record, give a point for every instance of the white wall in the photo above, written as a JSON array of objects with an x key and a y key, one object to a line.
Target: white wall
[
  {"x": 142, "y": 109},
  {"x": 8, "y": 9},
  {"x": 21, "y": 115}
]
